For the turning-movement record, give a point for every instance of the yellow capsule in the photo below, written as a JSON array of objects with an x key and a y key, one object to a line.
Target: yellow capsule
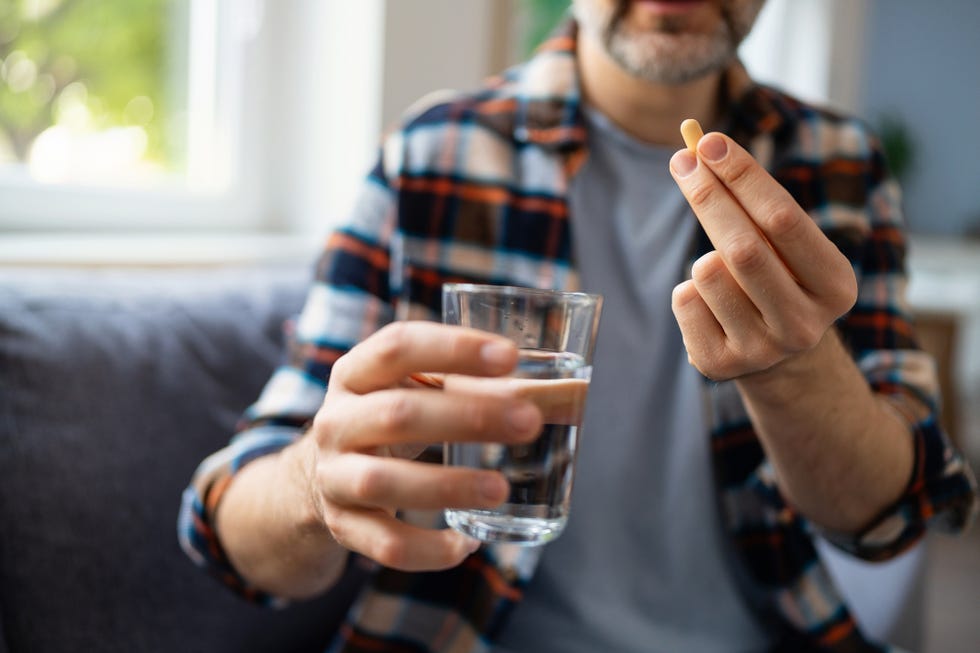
[{"x": 692, "y": 133}]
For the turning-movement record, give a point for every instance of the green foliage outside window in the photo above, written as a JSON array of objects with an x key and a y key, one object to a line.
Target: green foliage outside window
[{"x": 106, "y": 58}]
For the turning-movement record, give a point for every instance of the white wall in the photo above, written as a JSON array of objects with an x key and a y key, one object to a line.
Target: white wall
[
  {"x": 318, "y": 94},
  {"x": 810, "y": 48},
  {"x": 438, "y": 44},
  {"x": 921, "y": 62},
  {"x": 870, "y": 57}
]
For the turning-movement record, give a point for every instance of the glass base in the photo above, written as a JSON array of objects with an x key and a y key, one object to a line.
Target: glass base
[{"x": 489, "y": 526}]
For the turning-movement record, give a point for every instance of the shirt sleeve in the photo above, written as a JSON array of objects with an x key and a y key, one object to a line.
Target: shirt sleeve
[
  {"x": 349, "y": 298},
  {"x": 941, "y": 492}
]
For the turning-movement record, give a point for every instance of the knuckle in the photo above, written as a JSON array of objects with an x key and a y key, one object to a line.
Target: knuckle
[
  {"x": 397, "y": 414},
  {"x": 701, "y": 195},
  {"x": 847, "y": 293},
  {"x": 323, "y": 426},
  {"x": 784, "y": 222},
  {"x": 740, "y": 359},
  {"x": 322, "y": 421},
  {"x": 390, "y": 550},
  {"x": 810, "y": 336},
  {"x": 718, "y": 371},
  {"x": 393, "y": 340},
  {"x": 843, "y": 305},
  {"x": 369, "y": 484},
  {"x": 458, "y": 345},
  {"x": 716, "y": 363},
  {"x": 337, "y": 527},
  {"x": 768, "y": 356},
  {"x": 474, "y": 415},
  {"x": 339, "y": 370},
  {"x": 802, "y": 334},
  {"x": 331, "y": 516},
  {"x": 754, "y": 353},
  {"x": 739, "y": 170},
  {"x": 445, "y": 489},
  {"x": 747, "y": 253}
]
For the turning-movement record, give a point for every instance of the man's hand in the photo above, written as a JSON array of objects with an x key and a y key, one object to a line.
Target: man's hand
[
  {"x": 289, "y": 520},
  {"x": 759, "y": 309},
  {"x": 774, "y": 284},
  {"x": 372, "y": 417}
]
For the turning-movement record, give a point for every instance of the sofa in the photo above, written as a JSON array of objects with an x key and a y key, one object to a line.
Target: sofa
[{"x": 114, "y": 384}]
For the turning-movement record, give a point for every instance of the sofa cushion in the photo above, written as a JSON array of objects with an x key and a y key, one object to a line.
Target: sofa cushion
[{"x": 114, "y": 385}]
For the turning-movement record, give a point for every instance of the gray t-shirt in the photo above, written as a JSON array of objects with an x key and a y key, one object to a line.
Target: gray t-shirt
[{"x": 643, "y": 564}]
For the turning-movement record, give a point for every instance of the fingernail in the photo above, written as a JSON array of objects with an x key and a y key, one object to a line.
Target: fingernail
[
  {"x": 472, "y": 546},
  {"x": 683, "y": 163},
  {"x": 713, "y": 147},
  {"x": 492, "y": 488},
  {"x": 523, "y": 417},
  {"x": 497, "y": 354}
]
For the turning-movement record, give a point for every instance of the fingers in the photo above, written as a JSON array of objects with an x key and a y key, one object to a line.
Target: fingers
[
  {"x": 744, "y": 210},
  {"x": 732, "y": 231},
  {"x": 775, "y": 282},
  {"x": 733, "y": 310},
  {"x": 561, "y": 401},
  {"x": 779, "y": 314},
  {"x": 724, "y": 332},
  {"x": 397, "y": 544},
  {"x": 359, "y": 480},
  {"x": 362, "y": 493},
  {"x": 377, "y": 398},
  {"x": 401, "y": 348},
  {"x": 703, "y": 336},
  {"x": 401, "y": 416}
]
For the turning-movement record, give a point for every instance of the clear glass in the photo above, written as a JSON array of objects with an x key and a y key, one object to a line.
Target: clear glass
[{"x": 555, "y": 332}]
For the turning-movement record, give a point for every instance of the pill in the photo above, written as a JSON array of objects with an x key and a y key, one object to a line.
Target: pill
[{"x": 692, "y": 133}]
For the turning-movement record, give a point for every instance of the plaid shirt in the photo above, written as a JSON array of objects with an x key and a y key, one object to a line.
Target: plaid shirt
[{"x": 473, "y": 188}]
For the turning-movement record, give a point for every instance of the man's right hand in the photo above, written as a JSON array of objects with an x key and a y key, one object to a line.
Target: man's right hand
[
  {"x": 287, "y": 521},
  {"x": 374, "y": 420}
]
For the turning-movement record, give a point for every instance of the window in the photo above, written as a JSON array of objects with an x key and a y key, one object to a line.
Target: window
[{"x": 137, "y": 115}]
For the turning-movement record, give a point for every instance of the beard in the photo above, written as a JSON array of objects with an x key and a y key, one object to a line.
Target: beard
[{"x": 670, "y": 54}]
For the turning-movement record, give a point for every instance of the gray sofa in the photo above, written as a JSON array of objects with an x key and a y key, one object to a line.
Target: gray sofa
[{"x": 113, "y": 386}]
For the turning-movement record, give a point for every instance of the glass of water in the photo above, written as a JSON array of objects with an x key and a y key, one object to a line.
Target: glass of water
[{"x": 555, "y": 333}]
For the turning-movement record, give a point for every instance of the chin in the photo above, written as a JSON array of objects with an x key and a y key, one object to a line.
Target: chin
[{"x": 665, "y": 58}]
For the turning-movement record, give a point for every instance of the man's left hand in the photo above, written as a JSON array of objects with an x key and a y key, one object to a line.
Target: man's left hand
[{"x": 774, "y": 284}]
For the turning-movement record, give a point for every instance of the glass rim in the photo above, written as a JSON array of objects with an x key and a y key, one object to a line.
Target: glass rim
[{"x": 513, "y": 291}]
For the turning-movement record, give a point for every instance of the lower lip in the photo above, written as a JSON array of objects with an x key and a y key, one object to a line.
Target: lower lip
[{"x": 668, "y": 7}]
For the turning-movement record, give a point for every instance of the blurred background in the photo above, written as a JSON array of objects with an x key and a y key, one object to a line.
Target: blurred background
[{"x": 176, "y": 132}]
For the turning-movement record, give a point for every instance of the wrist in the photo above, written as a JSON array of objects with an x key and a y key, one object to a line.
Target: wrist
[
  {"x": 302, "y": 502},
  {"x": 789, "y": 378},
  {"x": 318, "y": 561}
]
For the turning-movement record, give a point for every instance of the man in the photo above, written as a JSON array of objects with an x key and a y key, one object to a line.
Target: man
[{"x": 563, "y": 173}]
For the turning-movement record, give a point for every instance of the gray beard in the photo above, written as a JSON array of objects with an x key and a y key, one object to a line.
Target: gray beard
[
  {"x": 669, "y": 67},
  {"x": 670, "y": 56}
]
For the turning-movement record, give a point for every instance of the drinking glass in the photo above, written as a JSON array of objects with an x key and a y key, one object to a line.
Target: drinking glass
[{"x": 555, "y": 334}]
